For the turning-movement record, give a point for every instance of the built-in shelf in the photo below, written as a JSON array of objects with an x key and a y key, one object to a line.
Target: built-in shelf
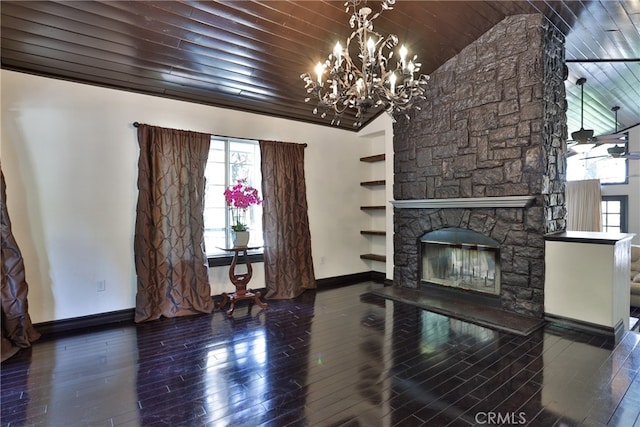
[
  {"x": 373, "y": 183},
  {"x": 373, "y": 232},
  {"x": 374, "y": 257},
  {"x": 375, "y": 208},
  {"x": 372, "y": 159}
]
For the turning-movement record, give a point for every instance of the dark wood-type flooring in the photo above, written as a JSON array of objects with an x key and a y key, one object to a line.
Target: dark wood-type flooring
[{"x": 335, "y": 357}]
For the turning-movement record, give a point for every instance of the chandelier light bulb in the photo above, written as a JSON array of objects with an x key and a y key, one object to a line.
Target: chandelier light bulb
[
  {"x": 337, "y": 53},
  {"x": 403, "y": 55},
  {"x": 371, "y": 46},
  {"x": 366, "y": 81},
  {"x": 319, "y": 71}
]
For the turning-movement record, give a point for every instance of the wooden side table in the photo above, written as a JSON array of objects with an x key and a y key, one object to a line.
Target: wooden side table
[{"x": 240, "y": 280}]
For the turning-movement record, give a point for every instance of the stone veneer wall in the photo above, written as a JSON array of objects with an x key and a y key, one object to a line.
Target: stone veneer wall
[{"x": 493, "y": 124}]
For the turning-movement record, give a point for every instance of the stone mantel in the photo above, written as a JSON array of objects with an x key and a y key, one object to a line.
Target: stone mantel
[{"x": 466, "y": 203}]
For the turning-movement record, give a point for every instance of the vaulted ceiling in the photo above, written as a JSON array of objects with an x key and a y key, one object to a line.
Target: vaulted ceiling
[{"x": 249, "y": 55}]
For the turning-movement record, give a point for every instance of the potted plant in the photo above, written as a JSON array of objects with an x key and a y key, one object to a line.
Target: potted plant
[{"x": 239, "y": 198}]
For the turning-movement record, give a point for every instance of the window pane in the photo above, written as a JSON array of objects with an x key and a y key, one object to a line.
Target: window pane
[
  {"x": 613, "y": 220},
  {"x": 596, "y": 164},
  {"x": 613, "y": 206},
  {"x": 216, "y": 151},
  {"x": 214, "y": 196},
  {"x": 243, "y": 157}
]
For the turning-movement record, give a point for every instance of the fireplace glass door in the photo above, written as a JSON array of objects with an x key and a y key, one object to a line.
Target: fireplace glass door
[{"x": 461, "y": 258}]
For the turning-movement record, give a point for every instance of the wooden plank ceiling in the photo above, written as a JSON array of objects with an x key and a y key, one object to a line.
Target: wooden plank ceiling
[{"x": 249, "y": 55}]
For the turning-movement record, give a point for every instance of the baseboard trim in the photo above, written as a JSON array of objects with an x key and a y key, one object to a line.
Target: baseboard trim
[
  {"x": 614, "y": 333},
  {"x": 350, "y": 279},
  {"x": 126, "y": 316},
  {"x": 76, "y": 324}
]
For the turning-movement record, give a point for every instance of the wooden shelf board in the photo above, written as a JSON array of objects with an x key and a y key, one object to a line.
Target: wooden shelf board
[
  {"x": 373, "y": 183},
  {"x": 374, "y": 257},
  {"x": 368, "y": 208},
  {"x": 374, "y": 232},
  {"x": 371, "y": 159}
]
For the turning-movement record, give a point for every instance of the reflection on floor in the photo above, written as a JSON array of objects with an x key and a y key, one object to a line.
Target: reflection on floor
[
  {"x": 338, "y": 357},
  {"x": 634, "y": 319},
  {"x": 480, "y": 314}
]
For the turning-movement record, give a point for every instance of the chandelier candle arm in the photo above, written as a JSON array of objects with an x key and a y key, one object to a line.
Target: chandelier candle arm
[{"x": 368, "y": 81}]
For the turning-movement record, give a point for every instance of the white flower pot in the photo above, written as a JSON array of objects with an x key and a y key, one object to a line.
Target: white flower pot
[{"x": 240, "y": 238}]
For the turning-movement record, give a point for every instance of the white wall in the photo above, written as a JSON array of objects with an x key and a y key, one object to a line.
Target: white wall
[
  {"x": 632, "y": 189},
  {"x": 69, "y": 155}
]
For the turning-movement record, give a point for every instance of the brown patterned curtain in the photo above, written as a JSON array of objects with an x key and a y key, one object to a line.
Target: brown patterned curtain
[
  {"x": 17, "y": 329},
  {"x": 288, "y": 265},
  {"x": 170, "y": 258}
]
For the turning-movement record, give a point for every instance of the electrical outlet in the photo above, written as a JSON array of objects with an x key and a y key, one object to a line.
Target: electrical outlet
[{"x": 101, "y": 285}]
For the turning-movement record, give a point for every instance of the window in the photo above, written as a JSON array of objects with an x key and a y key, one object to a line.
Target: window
[
  {"x": 228, "y": 161},
  {"x": 614, "y": 214},
  {"x": 595, "y": 163}
]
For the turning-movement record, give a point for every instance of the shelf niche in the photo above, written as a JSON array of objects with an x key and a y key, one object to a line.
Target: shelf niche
[{"x": 376, "y": 208}]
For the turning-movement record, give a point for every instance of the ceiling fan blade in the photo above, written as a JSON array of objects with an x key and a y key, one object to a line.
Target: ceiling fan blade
[
  {"x": 613, "y": 138},
  {"x": 604, "y": 156},
  {"x": 634, "y": 155},
  {"x": 580, "y": 148}
]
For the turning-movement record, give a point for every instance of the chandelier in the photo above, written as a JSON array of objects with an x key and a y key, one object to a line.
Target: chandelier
[{"x": 371, "y": 80}]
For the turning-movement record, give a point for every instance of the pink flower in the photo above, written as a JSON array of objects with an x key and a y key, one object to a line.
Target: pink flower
[
  {"x": 239, "y": 198},
  {"x": 241, "y": 195}
]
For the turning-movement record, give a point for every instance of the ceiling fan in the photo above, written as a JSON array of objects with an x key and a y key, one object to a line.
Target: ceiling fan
[
  {"x": 618, "y": 151},
  {"x": 621, "y": 152},
  {"x": 621, "y": 141},
  {"x": 582, "y": 136},
  {"x": 584, "y": 141}
]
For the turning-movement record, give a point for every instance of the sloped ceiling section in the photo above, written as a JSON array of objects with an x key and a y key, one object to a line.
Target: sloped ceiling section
[{"x": 249, "y": 55}]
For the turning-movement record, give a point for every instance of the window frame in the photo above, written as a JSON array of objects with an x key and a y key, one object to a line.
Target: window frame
[
  {"x": 624, "y": 211},
  {"x": 225, "y": 258}
]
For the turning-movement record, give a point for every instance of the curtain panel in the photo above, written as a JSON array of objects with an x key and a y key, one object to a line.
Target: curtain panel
[
  {"x": 170, "y": 258},
  {"x": 584, "y": 205},
  {"x": 288, "y": 264},
  {"x": 17, "y": 329}
]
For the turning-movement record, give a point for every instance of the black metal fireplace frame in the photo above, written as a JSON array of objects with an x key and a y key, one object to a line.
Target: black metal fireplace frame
[{"x": 459, "y": 292}]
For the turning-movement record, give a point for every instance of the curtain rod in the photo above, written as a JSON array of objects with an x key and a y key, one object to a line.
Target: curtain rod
[{"x": 136, "y": 124}]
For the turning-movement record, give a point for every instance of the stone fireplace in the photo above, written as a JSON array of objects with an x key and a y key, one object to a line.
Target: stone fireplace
[{"x": 485, "y": 155}]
